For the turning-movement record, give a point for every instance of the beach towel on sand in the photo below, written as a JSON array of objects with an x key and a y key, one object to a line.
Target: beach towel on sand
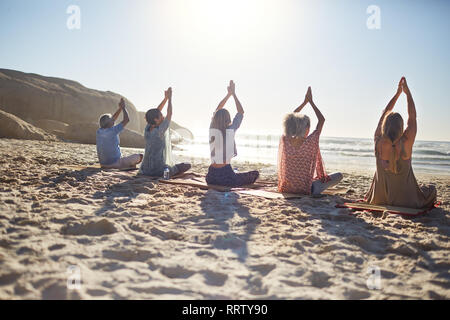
[
  {"x": 263, "y": 189},
  {"x": 194, "y": 180},
  {"x": 95, "y": 167},
  {"x": 264, "y": 193},
  {"x": 272, "y": 193},
  {"x": 364, "y": 206}
]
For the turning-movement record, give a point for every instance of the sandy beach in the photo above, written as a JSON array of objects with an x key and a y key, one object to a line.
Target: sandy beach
[{"x": 134, "y": 238}]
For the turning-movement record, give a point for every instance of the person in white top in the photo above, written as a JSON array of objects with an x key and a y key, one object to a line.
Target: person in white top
[{"x": 223, "y": 147}]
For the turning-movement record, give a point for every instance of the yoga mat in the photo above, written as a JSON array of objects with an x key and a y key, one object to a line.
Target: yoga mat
[
  {"x": 364, "y": 206},
  {"x": 194, "y": 183},
  {"x": 270, "y": 194},
  {"x": 273, "y": 194},
  {"x": 95, "y": 167},
  {"x": 199, "y": 182}
]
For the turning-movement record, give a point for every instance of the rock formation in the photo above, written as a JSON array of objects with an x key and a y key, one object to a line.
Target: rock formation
[{"x": 15, "y": 128}]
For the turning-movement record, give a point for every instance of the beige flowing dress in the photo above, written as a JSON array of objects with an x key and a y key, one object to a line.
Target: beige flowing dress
[{"x": 399, "y": 189}]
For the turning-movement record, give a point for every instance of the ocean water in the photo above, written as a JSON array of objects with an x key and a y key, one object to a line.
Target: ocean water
[{"x": 338, "y": 153}]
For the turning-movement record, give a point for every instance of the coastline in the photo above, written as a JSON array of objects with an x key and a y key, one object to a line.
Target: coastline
[{"x": 133, "y": 238}]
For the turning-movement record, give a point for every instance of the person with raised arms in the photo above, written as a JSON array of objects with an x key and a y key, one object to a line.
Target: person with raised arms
[
  {"x": 394, "y": 182},
  {"x": 157, "y": 155},
  {"x": 300, "y": 165},
  {"x": 223, "y": 146},
  {"x": 107, "y": 140}
]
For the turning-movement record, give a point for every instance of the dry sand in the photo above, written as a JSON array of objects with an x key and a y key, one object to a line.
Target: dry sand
[{"x": 133, "y": 238}]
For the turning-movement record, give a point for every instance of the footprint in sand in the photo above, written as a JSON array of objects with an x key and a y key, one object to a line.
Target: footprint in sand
[
  {"x": 319, "y": 279},
  {"x": 214, "y": 278},
  {"x": 362, "y": 242},
  {"x": 202, "y": 253},
  {"x": 292, "y": 283},
  {"x": 158, "y": 290},
  {"x": 435, "y": 296},
  {"x": 25, "y": 250},
  {"x": 7, "y": 244},
  {"x": 228, "y": 242},
  {"x": 97, "y": 292},
  {"x": 109, "y": 266},
  {"x": 144, "y": 189},
  {"x": 193, "y": 193},
  {"x": 98, "y": 228},
  {"x": 403, "y": 249},
  {"x": 9, "y": 278},
  {"x": 177, "y": 272},
  {"x": 56, "y": 247},
  {"x": 263, "y": 269},
  {"x": 22, "y": 289},
  {"x": 136, "y": 226},
  {"x": 166, "y": 235},
  {"x": 59, "y": 291},
  {"x": 442, "y": 284},
  {"x": 256, "y": 286},
  {"x": 130, "y": 255},
  {"x": 354, "y": 294}
]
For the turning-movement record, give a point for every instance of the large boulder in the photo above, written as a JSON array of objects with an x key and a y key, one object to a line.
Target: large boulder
[
  {"x": 40, "y": 100},
  {"x": 52, "y": 126},
  {"x": 33, "y": 97},
  {"x": 86, "y": 133},
  {"x": 13, "y": 127}
]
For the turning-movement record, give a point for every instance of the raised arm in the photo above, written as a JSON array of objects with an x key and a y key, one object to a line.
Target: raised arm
[
  {"x": 411, "y": 129},
  {"x": 319, "y": 114},
  {"x": 163, "y": 103},
  {"x": 232, "y": 89},
  {"x": 169, "y": 108},
  {"x": 117, "y": 113},
  {"x": 126, "y": 118},
  {"x": 304, "y": 103},
  {"x": 224, "y": 100},
  {"x": 389, "y": 108}
]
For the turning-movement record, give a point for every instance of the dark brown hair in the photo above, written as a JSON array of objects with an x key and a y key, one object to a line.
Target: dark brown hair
[
  {"x": 152, "y": 115},
  {"x": 392, "y": 129}
]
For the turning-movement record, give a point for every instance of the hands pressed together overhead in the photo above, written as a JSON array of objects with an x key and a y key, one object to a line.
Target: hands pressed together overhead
[
  {"x": 231, "y": 88},
  {"x": 403, "y": 87},
  {"x": 231, "y": 92},
  {"x": 168, "y": 93},
  {"x": 122, "y": 104},
  {"x": 308, "y": 96}
]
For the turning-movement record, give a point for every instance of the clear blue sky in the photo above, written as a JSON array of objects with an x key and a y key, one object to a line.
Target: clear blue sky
[{"x": 273, "y": 49}]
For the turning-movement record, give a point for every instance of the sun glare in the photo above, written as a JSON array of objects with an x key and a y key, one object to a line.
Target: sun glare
[{"x": 212, "y": 23}]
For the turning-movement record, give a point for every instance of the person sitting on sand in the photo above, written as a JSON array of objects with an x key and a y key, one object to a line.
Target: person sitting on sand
[
  {"x": 223, "y": 147},
  {"x": 300, "y": 166},
  {"x": 108, "y": 141},
  {"x": 157, "y": 142},
  {"x": 394, "y": 182}
]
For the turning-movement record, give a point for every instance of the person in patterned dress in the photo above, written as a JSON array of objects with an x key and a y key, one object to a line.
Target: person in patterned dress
[{"x": 300, "y": 166}]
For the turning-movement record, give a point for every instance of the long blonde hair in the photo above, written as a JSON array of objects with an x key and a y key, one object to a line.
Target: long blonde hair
[{"x": 392, "y": 129}]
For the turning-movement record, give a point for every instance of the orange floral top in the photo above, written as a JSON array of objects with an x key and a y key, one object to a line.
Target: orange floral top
[{"x": 299, "y": 166}]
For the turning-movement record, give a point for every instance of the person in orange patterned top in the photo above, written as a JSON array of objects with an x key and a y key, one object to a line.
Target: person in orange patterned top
[{"x": 300, "y": 165}]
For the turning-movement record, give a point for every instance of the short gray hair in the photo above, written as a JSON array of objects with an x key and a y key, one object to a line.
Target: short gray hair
[
  {"x": 296, "y": 125},
  {"x": 104, "y": 120}
]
